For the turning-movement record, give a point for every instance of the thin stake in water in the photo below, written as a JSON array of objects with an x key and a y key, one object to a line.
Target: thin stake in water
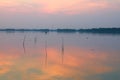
[
  {"x": 46, "y": 54},
  {"x": 35, "y": 40},
  {"x": 62, "y": 54},
  {"x": 24, "y": 44}
]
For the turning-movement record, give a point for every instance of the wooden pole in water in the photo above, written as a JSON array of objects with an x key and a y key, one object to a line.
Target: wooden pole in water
[
  {"x": 35, "y": 40},
  {"x": 46, "y": 55},
  {"x": 24, "y": 44},
  {"x": 62, "y": 54}
]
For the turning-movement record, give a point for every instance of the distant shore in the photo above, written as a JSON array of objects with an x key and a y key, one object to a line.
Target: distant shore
[{"x": 92, "y": 30}]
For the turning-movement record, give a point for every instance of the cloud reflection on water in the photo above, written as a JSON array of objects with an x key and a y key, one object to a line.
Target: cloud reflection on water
[{"x": 78, "y": 64}]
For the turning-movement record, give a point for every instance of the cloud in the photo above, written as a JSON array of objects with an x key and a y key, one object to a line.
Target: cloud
[
  {"x": 56, "y": 6},
  {"x": 70, "y": 6}
]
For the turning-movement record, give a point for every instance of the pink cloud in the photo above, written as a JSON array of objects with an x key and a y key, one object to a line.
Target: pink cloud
[
  {"x": 70, "y": 6},
  {"x": 55, "y": 6}
]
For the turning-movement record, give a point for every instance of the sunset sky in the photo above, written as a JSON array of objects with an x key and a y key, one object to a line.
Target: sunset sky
[{"x": 59, "y": 13}]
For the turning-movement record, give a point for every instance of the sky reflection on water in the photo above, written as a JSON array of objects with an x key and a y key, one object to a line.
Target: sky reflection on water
[{"x": 69, "y": 56}]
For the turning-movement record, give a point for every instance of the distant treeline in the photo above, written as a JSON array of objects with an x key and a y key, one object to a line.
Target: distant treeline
[
  {"x": 101, "y": 30},
  {"x": 92, "y": 30}
]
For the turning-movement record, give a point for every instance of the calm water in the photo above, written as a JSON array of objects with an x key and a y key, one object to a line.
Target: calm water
[{"x": 59, "y": 56}]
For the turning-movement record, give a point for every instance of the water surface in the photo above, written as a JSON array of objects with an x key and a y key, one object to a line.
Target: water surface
[{"x": 59, "y": 56}]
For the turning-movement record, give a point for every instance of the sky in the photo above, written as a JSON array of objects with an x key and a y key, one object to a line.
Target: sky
[{"x": 59, "y": 13}]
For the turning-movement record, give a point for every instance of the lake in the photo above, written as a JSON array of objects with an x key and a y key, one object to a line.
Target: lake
[{"x": 59, "y": 56}]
